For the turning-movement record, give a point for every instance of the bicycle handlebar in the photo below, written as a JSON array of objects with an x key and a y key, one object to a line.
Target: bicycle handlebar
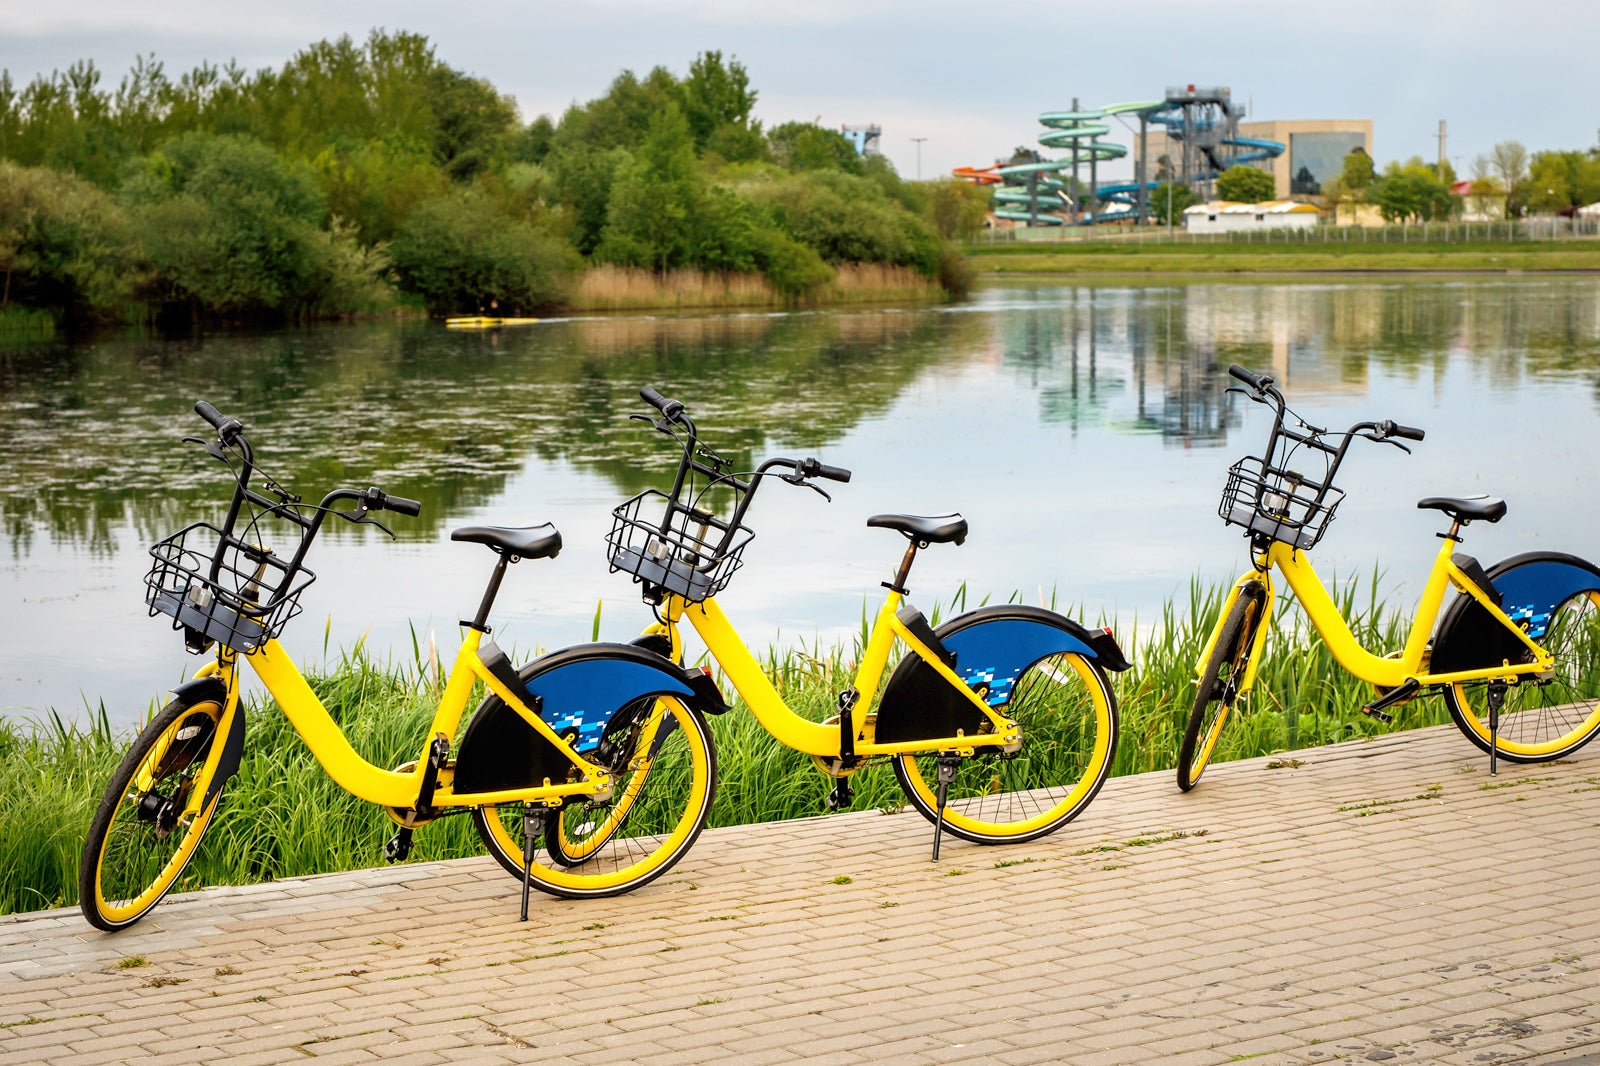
[
  {"x": 1391, "y": 429},
  {"x": 814, "y": 468},
  {"x": 1258, "y": 382},
  {"x": 670, "y": 408},
  {"x": 401, "y": 505}
]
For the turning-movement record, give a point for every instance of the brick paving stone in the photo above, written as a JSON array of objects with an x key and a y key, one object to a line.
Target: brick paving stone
[{"x": 1291, "y": 930}]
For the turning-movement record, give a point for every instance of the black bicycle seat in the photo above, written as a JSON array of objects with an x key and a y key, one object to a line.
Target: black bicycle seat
[
  {"x": 1466, "y": 508},
  {"x": 528, "y": 542},
  {"x": 937, "y": 529}
]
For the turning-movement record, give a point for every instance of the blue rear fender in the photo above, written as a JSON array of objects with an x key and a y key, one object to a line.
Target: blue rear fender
[
  {"x": 989, "y": 649},
  {"x": 1531, "y": 586},
  {"x": 576, "y": 691}
]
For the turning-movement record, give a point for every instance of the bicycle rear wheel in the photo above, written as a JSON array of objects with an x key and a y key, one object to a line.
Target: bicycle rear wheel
[
  {"x": 1544, "y": 719},
  {"x": 1068, "y": 716},
  {"x": 142, "y": 835},
  {"x": 664, "y": 778},
  {"x": 1218, "y": 690}
]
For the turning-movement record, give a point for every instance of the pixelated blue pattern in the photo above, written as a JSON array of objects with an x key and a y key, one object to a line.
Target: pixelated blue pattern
[
  {"x": 1530, "y": 593},
  {"x": 583, "y": 695},
  {"x": 996, "y": 653}
]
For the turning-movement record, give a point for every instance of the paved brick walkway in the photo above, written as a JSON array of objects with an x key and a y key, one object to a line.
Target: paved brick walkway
[{"x": 1383, "y": 900}]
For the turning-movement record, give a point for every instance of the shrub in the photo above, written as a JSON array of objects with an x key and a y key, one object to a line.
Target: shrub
[
  {"x": 462, "y": 252},
  {"x": 63, "y": 245}
]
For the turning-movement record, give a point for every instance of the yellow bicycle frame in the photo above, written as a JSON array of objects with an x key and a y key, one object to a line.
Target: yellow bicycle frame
[
  {"x": 1384, "y": 672},
  {"x": 391, "y": 788},
  {"x": 815, "y": 738}
]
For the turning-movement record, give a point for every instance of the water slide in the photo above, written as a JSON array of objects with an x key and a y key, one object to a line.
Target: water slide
[{"x": 1040, "y": 194}]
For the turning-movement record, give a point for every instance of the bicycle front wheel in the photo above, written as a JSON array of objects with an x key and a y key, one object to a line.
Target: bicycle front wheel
[
  {"x": 1218, "y": 691},
  {"x": 152, "y": 817},
  {"x": 1068, "y": 717},
  {"x": 1544, "y": 719},
  {"x": 664, "y": 778}
]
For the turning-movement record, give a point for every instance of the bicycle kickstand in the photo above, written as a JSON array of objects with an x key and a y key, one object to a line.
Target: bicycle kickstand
[
  {"x": 1494, "y": 697},
  {"x": 527, "y": 855},
  {"x": 945, "y": 774}
]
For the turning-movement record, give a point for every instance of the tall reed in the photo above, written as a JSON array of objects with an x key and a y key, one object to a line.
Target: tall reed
[{"x": 282, "y": 816}]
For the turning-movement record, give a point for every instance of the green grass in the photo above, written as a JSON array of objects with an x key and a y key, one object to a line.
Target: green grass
[
  {"x": 1150, "y": 256},
  {"x": 282, "y": 816}
]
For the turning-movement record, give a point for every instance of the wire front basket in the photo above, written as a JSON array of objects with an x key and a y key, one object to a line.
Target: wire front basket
[
  {"x": 687, "y": 551},
  {"x": 239, "y": 597},
  {"x": 1278, "y": 504}
]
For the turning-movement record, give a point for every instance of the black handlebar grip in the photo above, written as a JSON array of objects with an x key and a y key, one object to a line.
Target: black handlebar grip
[
  {"x": 832, "y": 473},
  {"x": 402, "y": 505},
  {"x": 1407, "y": 432},
  {"x": 670, "y": 408},
  {"x": 209, "y": 413},
  {"x": 1256, "y": 381}
]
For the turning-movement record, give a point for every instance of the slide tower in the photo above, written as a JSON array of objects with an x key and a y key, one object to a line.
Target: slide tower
[{"x": 1200, "y": 131}]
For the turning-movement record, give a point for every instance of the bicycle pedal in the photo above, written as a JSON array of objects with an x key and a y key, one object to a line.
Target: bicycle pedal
[
  {"x": 398, "y": 847},
  {"x": 1383, "y": 716},
  {"x": 1399, "y": 694}
]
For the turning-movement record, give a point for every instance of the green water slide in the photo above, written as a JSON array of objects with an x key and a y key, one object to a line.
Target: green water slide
[{"x": 1034, "y": 192}]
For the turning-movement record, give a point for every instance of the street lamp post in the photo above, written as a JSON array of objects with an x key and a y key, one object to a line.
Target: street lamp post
[{"x": 919, "y": 141}]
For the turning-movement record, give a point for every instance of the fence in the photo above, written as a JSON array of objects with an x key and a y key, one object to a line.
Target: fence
[{"x": 1518, "y": 230}]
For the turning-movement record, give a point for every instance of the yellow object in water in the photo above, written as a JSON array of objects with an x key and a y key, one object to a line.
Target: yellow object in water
[{"x": 479, "y": 322}]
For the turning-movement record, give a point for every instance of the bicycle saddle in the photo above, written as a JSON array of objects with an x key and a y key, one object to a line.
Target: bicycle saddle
[
  {"x": 938, "y": 529},
  {"x": 1466, "y": 508},
  {"x": 528, "y": 542}
]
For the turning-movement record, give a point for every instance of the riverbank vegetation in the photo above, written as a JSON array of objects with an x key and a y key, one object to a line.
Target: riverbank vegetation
[
  {"x": 283, "y": 817},
  {"x": 370, "y": 177}
]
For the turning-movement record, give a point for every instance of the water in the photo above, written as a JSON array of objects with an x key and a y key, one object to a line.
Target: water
[{"x": 1083, "y": 430}]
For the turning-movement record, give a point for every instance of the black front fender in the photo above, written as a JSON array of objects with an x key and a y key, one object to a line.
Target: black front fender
[{"x": 212, "y": 690}]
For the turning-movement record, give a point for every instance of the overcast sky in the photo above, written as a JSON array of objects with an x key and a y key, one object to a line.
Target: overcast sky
[{"x": 970, "y": 77}]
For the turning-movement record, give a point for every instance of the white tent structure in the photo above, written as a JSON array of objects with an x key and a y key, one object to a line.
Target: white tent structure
[{"x": 1227, "y": 216}]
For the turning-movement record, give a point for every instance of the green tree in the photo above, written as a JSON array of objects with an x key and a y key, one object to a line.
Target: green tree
[
  {"x": 717, "y": 102},
  {"x": 1413, "y": 192},
  {"x": 808, "y": 146},
  {"x": 1245, "y": 184},
  {"x": 957, "y": 209},
  {"x": 650, "y": 214},
  {"x": 1168, "y": 200},
  {"x": 1357, "y": 173},
  {"x": 233, "y": 231},
  {"x": 1559, "y": 181},
  {"x": 461, "y": 252},
  {"x": 64, "y": 245}
]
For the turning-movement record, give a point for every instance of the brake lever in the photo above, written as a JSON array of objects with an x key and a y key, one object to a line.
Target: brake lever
[
  {"x": 363, "y": 517},
  {"x": 796, "y": 479},
  {"x": 213, "y": 447},
  {"x": 1386, "y": 440}
]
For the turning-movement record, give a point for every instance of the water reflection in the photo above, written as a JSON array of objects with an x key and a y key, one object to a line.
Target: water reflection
[{"x": 1079, "y": 427}]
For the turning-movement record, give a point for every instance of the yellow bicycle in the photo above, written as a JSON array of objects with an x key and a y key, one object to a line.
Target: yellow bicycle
[
  {"x": 1000, "y": 724},
  {"x": 1516, "y": 653},
  {"x": 558, "y": 752}
]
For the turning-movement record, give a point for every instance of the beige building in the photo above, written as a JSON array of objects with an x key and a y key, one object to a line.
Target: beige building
[{"x": 1315, "y": 150}]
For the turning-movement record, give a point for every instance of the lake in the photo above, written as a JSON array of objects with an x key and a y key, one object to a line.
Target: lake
[{"x": 1084, "y": 430}]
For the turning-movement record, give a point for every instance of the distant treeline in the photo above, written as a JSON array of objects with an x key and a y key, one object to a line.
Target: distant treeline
[{"x": 364, "y": 177}]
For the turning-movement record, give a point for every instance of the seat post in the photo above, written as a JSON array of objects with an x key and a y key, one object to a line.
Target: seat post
[
  {"x": 480, "y": 621},
  {"x": 905, "y": 567}
]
